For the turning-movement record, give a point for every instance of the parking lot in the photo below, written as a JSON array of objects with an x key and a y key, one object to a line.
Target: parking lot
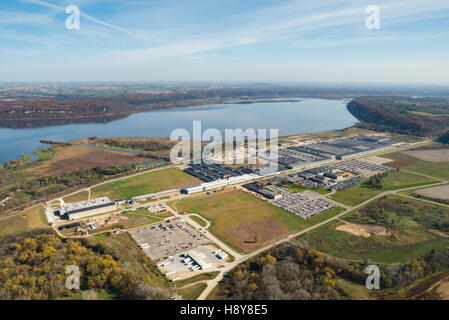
[
  {"x": 304, "y": 204},
  {"x": 167, "y": 239},
  {"x": 363, "y": 168}
]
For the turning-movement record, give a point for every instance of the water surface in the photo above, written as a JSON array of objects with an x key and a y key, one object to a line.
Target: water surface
[{"x": 305, "y": 116}]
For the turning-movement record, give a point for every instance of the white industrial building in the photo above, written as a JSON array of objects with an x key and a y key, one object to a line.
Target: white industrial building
[
  {"x": 220, "y": 183},
  {"x": 198, "y": 258},
  {"x": 83, "y": 209}
]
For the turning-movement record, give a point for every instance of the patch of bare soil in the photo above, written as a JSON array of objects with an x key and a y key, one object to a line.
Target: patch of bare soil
[
  {"x": 361, "y": 230},
  {"x": 440, "y": 192},
  {"x": 440, "y": 155},
  {"x": 266, "y": 231}
]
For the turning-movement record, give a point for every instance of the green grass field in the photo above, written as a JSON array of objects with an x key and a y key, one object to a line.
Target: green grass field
[
  {"x": 45, "y": 154},
  {"x": 393, "y": 181},
  {"x": 418, "y": 196},
  {"x": 377, "y": 249},
  {"x": 409, "y": 222},
  {"x": 354, "y": 291},
  {"x": 192, "y": 292},
  {"x": 100, "y": 295},
  {"x": 80, "y": 196},
  {"x": 198, "y": 220},
  {"x": 428, "y": 114},
  {"x": 154, "y": 181},
  {"x": 31, "y": 219},
  {"x": 237, "y": 218}
]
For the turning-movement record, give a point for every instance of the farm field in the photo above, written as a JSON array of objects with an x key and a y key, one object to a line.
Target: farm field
[
  {"x": 435, "y": 194},
  {"x": 243, "y": 221},
  {"x": 393, "y": 181},
  {"x": 435, "y": 168},
  {"x": 413, "y": 228},
  {"x": 31, "y": 219},
  {"x": 439, "y": 193},
  {"x": 80, "y": 196},
  {"x": 154, "y": 181}
]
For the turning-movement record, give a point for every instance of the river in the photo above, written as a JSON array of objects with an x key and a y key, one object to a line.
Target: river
[{"x": 304, "y": 116}]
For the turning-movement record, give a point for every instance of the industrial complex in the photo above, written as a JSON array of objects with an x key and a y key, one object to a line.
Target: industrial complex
[
  {"x": 83, "y": 209},
  {"x": 311, "y": 154},
  {"x": 300, "y": 157}
]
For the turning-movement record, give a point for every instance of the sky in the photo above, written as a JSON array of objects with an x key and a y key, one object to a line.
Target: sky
[{"x": 225, "y": 40}]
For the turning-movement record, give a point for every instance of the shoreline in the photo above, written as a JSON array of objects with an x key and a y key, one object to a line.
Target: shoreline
[{"x": 24, "y": 123}]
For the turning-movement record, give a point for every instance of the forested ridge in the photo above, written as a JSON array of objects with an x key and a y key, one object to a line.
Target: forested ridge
[
  {"x": 419, "y": 117},
  {"x": 45, "y": 104}
]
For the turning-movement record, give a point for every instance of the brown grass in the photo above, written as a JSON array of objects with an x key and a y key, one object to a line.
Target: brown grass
[
  {"x": 76, "y": 157},
  {"x": 440, "y": 192},
  {"x": 266, "y": 230},
  {"x": 440, "y": 155}
]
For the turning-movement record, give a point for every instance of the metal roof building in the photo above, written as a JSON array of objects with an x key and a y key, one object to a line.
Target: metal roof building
[{"x": 83, "y": 209}]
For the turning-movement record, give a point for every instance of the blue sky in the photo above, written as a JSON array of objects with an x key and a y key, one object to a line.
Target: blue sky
[{"x": 225, "y": 40}]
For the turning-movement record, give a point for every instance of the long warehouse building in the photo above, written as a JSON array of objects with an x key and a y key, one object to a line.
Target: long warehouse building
[
  {"x": 83, "y": 209},
  {"x": 219, "y": 183}
]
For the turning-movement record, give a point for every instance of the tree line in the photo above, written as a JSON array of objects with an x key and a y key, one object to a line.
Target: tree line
[
  {"x": 291, "y": 271},
  {"x": 33, "y": 266}
]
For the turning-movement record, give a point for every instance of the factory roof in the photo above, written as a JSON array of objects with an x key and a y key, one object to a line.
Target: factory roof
[{"x": 81, "y": 206}]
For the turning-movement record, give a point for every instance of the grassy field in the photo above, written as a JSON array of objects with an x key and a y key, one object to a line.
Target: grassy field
[
  {"x": 80, "y": 196},
  {"x": 192, "y": 292},
  {"x": 154, "y": 217},
  {"x": 134, "y": 220},
  {"x": 393, "y": 181},
  {"x": 146, "y": 183},
  {"x": 45, "y": 154},
  {"x": 198, "y": 220},
  {"x": 245, "y": 222},
  {"x": 353, "y": 290},
  {"x": 33, "y": 218},
  {"x": 428, "y": 114},
  {"x": 377, "y": 249},
  {"x": 412, "y": 193},
  {"x": 100, "y": 295},
  {"x": 434, "y": 169},
  {"x": 409, "y": 222}
]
